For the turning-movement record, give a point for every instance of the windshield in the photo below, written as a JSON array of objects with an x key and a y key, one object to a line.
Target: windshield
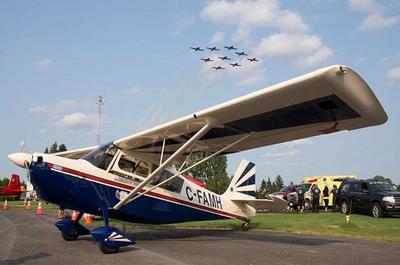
[
  {"x": 381, "y": 186},
  {"x": 101, "y": 157}
]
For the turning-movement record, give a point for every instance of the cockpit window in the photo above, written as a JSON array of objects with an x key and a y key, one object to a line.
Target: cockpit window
[
  {"x": 101, "y": 157},
  {"x": 126, "y": 165},
  {"x": 174, "y": 184}
]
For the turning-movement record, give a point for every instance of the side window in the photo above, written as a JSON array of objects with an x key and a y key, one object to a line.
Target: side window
[
  {"x": 174, "y": 185},
  {"x": 126, "y": 165},
  {"x": 364, "y": 187},
  {"x": 346, "y": 188},
  {"x": 355, "y": 187}
]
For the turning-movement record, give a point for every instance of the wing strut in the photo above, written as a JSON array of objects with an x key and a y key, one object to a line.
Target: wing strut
[
  {"x": 178, "y": 152},
  {"x": 192, "y": 166}
]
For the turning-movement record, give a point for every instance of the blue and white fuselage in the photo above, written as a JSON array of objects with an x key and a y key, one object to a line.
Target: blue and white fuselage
[{"x": 79, "y": 185}]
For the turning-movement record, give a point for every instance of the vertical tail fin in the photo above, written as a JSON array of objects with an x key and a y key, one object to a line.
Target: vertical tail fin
[
  {"x": 14, "y": 183},
  {"x": 243, "y": 183}
]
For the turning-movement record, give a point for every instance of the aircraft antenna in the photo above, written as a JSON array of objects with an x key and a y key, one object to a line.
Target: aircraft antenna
[{"x": 100, "y": 105}]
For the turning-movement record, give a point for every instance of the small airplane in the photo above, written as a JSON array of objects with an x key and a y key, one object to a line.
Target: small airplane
[
  {"x": 230, "y": 48},
  {"x": 253, "y": 59},
  {"x": 13, "y": 189},
  {"x": 218, "y": 67},
  {"x": 196, "y": 49},
  {"x": 213, "y": 49},
  {"x": 143, "y": 177},
  {"x": 241, "y": 53},
  {"x": 235, "y": 64},
  {"x": 207, "y": 60},
  {"x": 224, "y": 58}
]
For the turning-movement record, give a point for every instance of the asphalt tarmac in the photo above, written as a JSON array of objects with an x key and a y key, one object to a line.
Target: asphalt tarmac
[{"x": 26, "y": 238}]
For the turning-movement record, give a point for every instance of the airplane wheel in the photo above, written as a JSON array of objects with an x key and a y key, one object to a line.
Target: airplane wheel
[
  {"x": 107, "y": 250},
  {"x": 245, "y": 227},
  {"x": 71, "y": 237}
]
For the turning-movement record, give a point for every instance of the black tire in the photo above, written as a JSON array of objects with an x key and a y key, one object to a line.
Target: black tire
[
  {"x": 377, "y": 210},
  {"x": 344, "y": 207},
  {"x": 245, "y": 226},
  {"x": 107, "y": 250},
  {"x": 72, "y": 237}
]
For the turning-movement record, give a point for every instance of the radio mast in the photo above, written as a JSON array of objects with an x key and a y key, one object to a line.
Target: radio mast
[{"x": 100, "y": 104}]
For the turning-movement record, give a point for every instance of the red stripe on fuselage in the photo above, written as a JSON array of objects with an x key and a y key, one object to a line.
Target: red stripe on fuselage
[{"x": 124, "y": 186}]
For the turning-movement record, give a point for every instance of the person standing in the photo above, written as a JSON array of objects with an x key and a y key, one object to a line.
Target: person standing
[
  {"x": 300, "y": 195},
  {"x": 325, "y": 192},
  {"x": 335, "y": 198},
  {"x": 316, "y": 193}
]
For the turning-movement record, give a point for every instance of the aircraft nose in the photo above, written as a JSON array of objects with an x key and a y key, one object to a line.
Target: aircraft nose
[{"x": 20, "y": 158}]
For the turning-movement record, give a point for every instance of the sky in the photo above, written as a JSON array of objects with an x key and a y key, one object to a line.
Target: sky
[{"x": 57, "y": 57}]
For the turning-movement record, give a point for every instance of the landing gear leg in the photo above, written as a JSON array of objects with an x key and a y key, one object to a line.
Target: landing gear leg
[
  {"x": 70, "y": 229},
  {"x": 110, "y": 239},
  {"x": 246, "y": 225}
]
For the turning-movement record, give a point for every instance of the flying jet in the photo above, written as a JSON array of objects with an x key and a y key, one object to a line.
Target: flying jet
[
  {"x": 212, "y": 49},
  {"x": 207, "y": 60},
  {"x": 241, "y": 53},
  {"x": 224, "y": 58},
  {"x": 230, "y": 48},
  {"x": 218, "y": 67},
  {"x": 143, "y": 178},
  {"x": 196, "y": 49},
  {"x": 235, "y": 64},
  {"x": 253, "y": 59}
]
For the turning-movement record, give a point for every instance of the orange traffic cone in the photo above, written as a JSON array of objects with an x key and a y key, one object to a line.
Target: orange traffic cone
[
  {"x": 39, "y": 210},
  {"x": 28, "y": 206},
  {"x": 88, "y": 219},
  {"x": 74, "y": 215},
  {"x": 5, "y": 205}
]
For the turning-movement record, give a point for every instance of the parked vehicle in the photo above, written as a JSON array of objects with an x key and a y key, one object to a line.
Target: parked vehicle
[
  {"x": 283, "y": 192},
  {"x": 369, "y": 196},
  {"x": 322, "y": 181}
]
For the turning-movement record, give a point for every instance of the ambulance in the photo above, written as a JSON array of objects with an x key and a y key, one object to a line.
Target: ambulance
[{"x": 322, "y": 181}]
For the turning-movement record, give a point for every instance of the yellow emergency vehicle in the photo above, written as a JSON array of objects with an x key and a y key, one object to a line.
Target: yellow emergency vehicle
[{"x": 322, "y": 181}]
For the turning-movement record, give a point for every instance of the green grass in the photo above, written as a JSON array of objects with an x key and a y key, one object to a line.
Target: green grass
[
  {"x": 324, "y": 224},
  {"x": 34, "y": 204}
]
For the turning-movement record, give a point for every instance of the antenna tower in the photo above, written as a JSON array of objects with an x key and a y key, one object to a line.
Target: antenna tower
[{"x": 100, "y": 105}]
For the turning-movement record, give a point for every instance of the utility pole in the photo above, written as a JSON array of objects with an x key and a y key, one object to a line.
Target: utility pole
[{"x": 100, "y": 104}]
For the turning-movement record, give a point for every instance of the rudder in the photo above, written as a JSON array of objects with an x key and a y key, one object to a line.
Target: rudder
[{"x": 244, "y": 180}]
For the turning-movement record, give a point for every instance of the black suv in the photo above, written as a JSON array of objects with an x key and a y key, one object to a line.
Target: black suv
[{"x": 369, "y": 196}]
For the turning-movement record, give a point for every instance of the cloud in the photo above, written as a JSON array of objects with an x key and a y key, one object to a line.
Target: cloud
[
  {"x": 43, "y": 64},
  {"x": 374, "y": 20},
  {"x": 394, "y": 75},
  {"x": 68, "y": 113},
  {"x": 78, "y": 121},
  {"x": 377, "y": 21},
  {"x": 218, "y": 37},
  {"x": 248, "y": 15},
  {"x": 293, "y": 40},
  {"x": 134, "y": 90},
  {"x": 287, "y": 153},
  {"x": 308, "y": 49},
  {"x": 181, "y": 24}
]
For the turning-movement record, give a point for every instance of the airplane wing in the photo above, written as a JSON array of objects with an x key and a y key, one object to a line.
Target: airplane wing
[
  {"x": 328, "y": 100},
  {"x": 272, "y": 204},
  {"x": 76, "y": 153}
]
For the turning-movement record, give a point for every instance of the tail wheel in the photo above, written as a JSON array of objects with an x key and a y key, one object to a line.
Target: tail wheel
[
  {"x": 107, "y": 250},
  {"x": 377, "y": 210},
  {"x": 344, "y": 207},
  {"x": 245, "y": 226}
]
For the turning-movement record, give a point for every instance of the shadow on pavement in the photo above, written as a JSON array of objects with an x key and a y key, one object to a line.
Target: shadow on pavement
[
  {"x": 22, "y": 260},
  {"x": 219, "y": 235}
]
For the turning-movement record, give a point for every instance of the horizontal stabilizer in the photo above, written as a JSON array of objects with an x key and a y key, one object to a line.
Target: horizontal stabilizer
[{"x": 272, "y": 204}]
